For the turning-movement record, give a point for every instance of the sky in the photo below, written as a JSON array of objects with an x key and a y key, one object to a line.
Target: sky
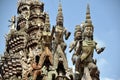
[{"x": 105, "y": 15}]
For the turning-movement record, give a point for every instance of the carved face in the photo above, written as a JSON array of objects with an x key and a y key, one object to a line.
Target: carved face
[
  {"x": 78, "y": 35},
  {"x": 26, "y": 14},
  {"x": 88, "y": 31}
]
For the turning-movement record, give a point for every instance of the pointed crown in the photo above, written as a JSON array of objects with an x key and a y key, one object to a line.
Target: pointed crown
[
  {"x": 88, "y": 22},
  {"x": 77, "y": 28},
  {"x": 59, "y": 20}
]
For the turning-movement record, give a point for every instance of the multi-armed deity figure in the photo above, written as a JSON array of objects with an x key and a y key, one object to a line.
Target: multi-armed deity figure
[{"x": 87, "y": 69}]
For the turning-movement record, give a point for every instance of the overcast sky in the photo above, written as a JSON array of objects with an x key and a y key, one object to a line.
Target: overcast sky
[{"x": 105, "y": 16}]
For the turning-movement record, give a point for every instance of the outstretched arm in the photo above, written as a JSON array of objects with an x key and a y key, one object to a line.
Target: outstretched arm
[
  {"x": 98, "y": 49},
  {"x": 72, "y": 46}
]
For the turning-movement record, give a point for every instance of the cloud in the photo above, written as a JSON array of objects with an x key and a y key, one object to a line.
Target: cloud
[
  {"x": 100, "y": 43},
  {"x": 106, "y": 78},
  {"x": 109, "y": 78},
  {"x": 102, "y": 62}
]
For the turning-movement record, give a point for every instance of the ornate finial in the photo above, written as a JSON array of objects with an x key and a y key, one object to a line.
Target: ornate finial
[
  {"x": 88, "y": 9},
  {"x": 88, "y": 12},
  {"x": 60, "y": 3},
  {"x": 59, "y": 15},
  {"x": 59, "y": 0},
  {"x": 88, "y": 17},
  {"x": 60, "y": 6},
  {"x": 12, "y": 21}
]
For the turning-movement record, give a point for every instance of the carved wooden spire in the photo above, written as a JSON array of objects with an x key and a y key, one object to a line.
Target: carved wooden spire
[
  {"x": 59, "y": 20},
  {"x": 88, "y": 12},
  {"x": 47, "y": 22},
  {"x": 88, "y": 17}
]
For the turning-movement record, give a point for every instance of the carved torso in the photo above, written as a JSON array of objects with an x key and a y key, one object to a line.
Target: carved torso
[
  {"x": 88, "y": 49},
  {"x": 59, "y": 33},
  {"x": 46, "y": 38}
]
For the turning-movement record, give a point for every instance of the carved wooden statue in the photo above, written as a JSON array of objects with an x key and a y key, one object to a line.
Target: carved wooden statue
[
  {"x": 35, "y": 52},
  {"x": 87, "y": 69}
]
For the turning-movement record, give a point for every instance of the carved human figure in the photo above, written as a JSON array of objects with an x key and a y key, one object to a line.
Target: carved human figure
[
  {"x": 88, "y": 46},
  {"x": 76, "y": 45},
  {"x": 58, "y": 41},
  {"x": 59, "y": 44},
  {"x": 60, "y": 32}
]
